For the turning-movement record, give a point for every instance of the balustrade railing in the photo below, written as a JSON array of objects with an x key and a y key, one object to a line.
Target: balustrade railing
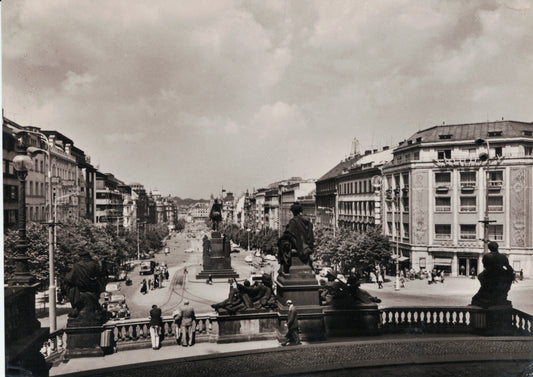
[
  {"x": 135, "y": 333},
  {"x": 454, "y": 319},
  {"x": 522, "y": 322},
  {"x": 55, "y": 345},
  {"x": 137, "y": 330}
]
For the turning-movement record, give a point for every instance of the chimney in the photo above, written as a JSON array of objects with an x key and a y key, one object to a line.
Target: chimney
[{"x": 67, "y": 148}]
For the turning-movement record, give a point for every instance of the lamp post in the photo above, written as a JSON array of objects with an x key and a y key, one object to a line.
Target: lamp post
[
  {"x": 485, "y": 157},
  {"x": 22, "y": 163},
  {"x": 248, "y": 231},
  {"x": 397, "y": 232},
  {"x": 138, "y": 243}
]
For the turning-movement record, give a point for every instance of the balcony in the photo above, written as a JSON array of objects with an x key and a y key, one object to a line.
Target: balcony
[
  {"x": 441, "y": 189},
  {"x": 443, "y": 236},
  {"x": 468, "y": 208},
  {"x": 495, "y": 208},
  {"x": 443, "y": 208}
]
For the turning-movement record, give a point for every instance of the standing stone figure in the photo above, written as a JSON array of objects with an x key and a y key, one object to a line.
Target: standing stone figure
[
  {"x": 496, "y": 279},
  {"x": 85, "y": 282},
  {"x": 298, "y": 236},
  {"x": 216, "y": 214}
]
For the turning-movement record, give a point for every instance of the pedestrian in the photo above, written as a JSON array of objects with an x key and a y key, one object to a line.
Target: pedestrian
[
  {"x": 210, "y": 279},
  {"x": 462, "y": 270},
  {"x": 177, "y": 320},
  {"x": 380, "y": 280},
  {"x": 521, "y": 274},
  {"x": 430, "y": 277},
  {"x": 144, "y": 288},
  {"x": 150, "y": 285},
  {"x": 156, "y": 281},
  {"x": 293, "y": 331},
  {"x": 473, "y": 273},
  {"x": 166, "y": 274},
  {"x": 188, "y": 324},
  {"x": 442, "y": 276},
  {"x": 156, "y": 323}
]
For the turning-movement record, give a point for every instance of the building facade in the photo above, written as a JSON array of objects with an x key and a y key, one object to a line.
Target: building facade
[{"x": 439, "y": 186}]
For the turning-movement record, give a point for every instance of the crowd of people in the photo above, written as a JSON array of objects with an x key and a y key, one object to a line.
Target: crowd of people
[{"x": 160, "y": 274}]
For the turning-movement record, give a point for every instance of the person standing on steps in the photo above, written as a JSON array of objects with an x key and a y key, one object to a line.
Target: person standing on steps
[{"x": 292, "y": 337}]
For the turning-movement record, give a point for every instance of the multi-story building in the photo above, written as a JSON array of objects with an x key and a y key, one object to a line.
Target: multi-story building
[
  {"x": 65, "y": 179},
  {"x": 199, "y": 212},
  {"x": 109, "y": 201},
  {"x": 358, "y": 205},
  {"x": 228, "y": 207},
  {"x": 272, "y": 196},
  {"x": 10, "y": 181},
  {"x": 439, "y": 190},
  {"x": 36, "y": 186},
  {"x": 259, "y": 211},
  {"x": 290, "y": 194},
  {"x": 86, "y": 183}
]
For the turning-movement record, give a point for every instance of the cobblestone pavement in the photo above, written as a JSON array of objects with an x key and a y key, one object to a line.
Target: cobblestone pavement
[{"x": 414, "y": 356}]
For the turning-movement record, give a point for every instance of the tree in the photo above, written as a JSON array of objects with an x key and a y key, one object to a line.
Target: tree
[{"x": 349, "y": 249}]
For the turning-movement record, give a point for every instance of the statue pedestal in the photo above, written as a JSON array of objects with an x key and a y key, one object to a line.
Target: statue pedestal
[
  {"x": 217, "y": 261},
  {"x": 301, "y": 287},
  {"x": 83, "y": 339},
  {"x": 493, "y": 321},
  {"x": 362, "y": 319}
]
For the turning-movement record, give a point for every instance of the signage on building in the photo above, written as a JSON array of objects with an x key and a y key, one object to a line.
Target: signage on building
[{"x": 462, "y": 162}]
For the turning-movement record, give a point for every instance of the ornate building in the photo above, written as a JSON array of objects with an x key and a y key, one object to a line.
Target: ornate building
[{"x": 440, "y": 184}]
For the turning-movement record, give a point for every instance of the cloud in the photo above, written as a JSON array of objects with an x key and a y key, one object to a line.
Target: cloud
[
  {"x": 116, "y": 137},
  {"x": 277, "y": 120},
  {"x": 248, "y": 92}
]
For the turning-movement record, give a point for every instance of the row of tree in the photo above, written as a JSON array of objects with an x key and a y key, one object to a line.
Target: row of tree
[
  {"x": 347, "y": 251},
  {"x": 110, "y": 249}
]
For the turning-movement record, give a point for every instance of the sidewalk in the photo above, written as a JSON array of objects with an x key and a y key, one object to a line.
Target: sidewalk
[
  {"x": 333, "y": 358},
  {"x": 164, "y": 353}
]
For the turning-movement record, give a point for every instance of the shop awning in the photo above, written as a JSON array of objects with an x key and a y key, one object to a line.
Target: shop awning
[{"x": 443, "y": 261}]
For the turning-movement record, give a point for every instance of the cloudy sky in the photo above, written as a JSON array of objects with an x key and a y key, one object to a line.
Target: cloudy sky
[{"x": 192, "y": 96}]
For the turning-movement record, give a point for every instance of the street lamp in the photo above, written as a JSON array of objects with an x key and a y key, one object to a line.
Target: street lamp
[
  {"x": 32, "y": 151},
  {"x": 248, "y": 231},
  {"x": 485, "y": 157},
  {"x": 22, "y": 163}
]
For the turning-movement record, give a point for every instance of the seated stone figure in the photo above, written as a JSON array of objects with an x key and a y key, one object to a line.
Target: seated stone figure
[
  {"x": 85, "y": 282},
  {"x": 233, "y": 304},
  {"x": 337, "y": 293},
  {"x": 245, "y": 296},
  {"x": 496, "y": 279}
]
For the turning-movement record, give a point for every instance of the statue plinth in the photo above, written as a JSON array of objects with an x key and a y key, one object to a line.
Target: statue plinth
[
  {"x": 217, "y": 259},
  {"x": 495, "y": 320},
  {"x": 84, "y": 335},
  {"x": 300, "y": 286}
]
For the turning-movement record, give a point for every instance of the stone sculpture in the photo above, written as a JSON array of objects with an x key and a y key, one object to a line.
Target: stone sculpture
[
  {"x": 496, "y": 279},
  {"x": 216, "y": 214},
  {"x": 84, "y": 283},
  {"x": 337, "y": 293}
]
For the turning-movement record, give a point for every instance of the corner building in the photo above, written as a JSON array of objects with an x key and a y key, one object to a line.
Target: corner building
[{"x": 442, "y": 191}]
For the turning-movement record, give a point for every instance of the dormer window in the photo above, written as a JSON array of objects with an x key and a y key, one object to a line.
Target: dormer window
[
  {"x": 418, "y": 139},
  {"x": 527, "y": 133},
  {"x": 445, "y": 137},
  {"x": 495, "y": 133}
]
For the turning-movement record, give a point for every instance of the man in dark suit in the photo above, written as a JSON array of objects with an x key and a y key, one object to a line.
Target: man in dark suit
[
  {"x": 293, "y": 331},
  {"x": 156, "y": 323}
]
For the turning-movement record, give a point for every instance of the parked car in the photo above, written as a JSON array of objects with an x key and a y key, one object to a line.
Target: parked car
[
  {"x": 122, "y": 275},
  {"x": 112, "y": 287},
  {"x": 270, "y": 257},
  {"x": 249, "y": 259},
  {"x": 147, "y": 268},
  {"x": 116, "y": 304}
]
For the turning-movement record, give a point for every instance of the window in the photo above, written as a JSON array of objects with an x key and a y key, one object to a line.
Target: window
[
  {"x": 443, "y": 204},
  {"x": 495, "y": 203},
  {"x": 31, "y": 188},
  {"x": 416, "y": 155},
  {"x": 468, "y": 204},
  {"x": 498, "y": 151},
  {"x": 405, "y": 202},
  {"x": 468, "y": 232},
  {"x": 443, "y": 231},
  {"x": 468, "y": 177},
  {"x": 527, "y": 133},
  {"x": 445, "y": 153},
  {"x": 405, "y": 230},
  {"x": 389, "y": 228},
  {"x": 528, "y": 150},
  {"x": 496, "y": 232},
  {"x": 445, "y": 137},
  {"x": 495, "y": 177},
  {"x": 495, "y": 133},
  {"x": 443, "y": 178}
]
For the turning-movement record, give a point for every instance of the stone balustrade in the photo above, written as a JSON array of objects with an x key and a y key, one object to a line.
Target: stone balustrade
[{"x": 135, "y": 333}]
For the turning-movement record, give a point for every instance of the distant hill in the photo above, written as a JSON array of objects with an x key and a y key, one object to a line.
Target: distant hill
[{"x": 188, "y": 201}]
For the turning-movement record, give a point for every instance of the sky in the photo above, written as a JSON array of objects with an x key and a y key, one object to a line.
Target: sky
[{"x": 189, "y": 97}]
